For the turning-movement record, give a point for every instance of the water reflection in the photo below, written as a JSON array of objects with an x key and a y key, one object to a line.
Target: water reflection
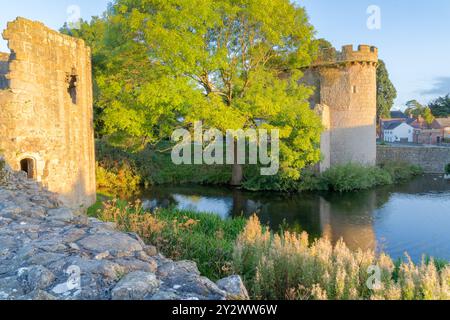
[{"x": 413, "y": 217}]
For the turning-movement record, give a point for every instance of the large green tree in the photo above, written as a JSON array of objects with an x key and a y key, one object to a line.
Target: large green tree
[
  {"x": 441, "y": 107},
  {"x": 171, "y": 63},
  {"x": 386, "y": 92}
]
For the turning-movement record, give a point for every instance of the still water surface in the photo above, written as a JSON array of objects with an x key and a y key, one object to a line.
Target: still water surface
[{"x": 413, "y": 217}]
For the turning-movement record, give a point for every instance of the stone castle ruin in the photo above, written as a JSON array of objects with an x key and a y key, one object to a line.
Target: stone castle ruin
[
  {"x": 345, "y": 98},
  {"x": 46, "y": 113}
]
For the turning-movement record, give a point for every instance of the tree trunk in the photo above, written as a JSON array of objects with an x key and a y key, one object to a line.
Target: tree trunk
[{"x": 237, "y": 175}]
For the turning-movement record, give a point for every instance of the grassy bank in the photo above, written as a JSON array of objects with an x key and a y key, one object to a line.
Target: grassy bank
[
  {"x": 279, "y": 266},
  {"x": 120, "y": 172},
  {"x": 204, "y": 238}
]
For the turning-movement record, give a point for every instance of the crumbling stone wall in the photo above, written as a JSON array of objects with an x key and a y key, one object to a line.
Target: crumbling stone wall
[
  {"x": 46, "y": 110},
  {"x": 346, "y": 82},
  {"x": 42, "y": 243}
]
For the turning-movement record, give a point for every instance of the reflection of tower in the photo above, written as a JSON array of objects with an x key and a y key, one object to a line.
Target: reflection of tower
[
  {"x": 325, "y": 219},
  {"x": 354, "y": 225}
]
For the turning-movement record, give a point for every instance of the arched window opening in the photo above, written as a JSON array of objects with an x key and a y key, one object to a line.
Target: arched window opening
[{"x": 27, "y": 165}]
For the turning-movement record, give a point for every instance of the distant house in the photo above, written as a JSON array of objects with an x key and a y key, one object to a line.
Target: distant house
[
  {"x": 428, "y": 136},
  {"x": 434, "y": 133},
  {"x": 444, "y": 125},
  {"x": 397, "y": 131},
  {"x": 395, "y": 117}
]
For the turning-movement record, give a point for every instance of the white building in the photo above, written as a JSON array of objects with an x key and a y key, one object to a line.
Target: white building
[{"x": 398, "y": 132}]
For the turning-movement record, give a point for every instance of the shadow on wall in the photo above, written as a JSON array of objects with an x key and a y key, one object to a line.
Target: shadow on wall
[
  {"x": 84, "y": 198},
  {"x": 353, "y": 144},
  {"x": 4, "y": 66}
]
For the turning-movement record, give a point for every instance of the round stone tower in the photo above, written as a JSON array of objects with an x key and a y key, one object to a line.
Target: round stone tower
[{"x": 346, "y": 83}]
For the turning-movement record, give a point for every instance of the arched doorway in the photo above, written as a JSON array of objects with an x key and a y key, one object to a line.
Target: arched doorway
[{"x": 28, "y": 165}]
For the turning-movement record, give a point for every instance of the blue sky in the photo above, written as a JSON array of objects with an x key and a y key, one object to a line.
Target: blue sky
[{"x": 413, "y": 38}]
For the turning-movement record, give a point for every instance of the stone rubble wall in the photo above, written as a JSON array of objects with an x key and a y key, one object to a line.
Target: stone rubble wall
[
  {"x": 431, "y": 159},
  {"x": 38, "y": 118},
  {"x": 48, "y": 253}
]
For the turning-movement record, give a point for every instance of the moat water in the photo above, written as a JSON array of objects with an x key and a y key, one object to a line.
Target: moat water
[{"x": 413, "y": 217}]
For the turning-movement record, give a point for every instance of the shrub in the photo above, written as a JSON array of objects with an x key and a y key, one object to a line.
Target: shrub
[
  {"x": 117, "y": 178},
  {"x": 156, "y": 167},
  {"x": 287, "y": 266},
  {"x": 204, "y": 238},
  {"x": 401, "y": 171},
  {"x": 352, "y": 177}
]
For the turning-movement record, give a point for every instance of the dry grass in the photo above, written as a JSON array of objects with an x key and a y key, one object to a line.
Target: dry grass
[{"x": 289, "y": 267}]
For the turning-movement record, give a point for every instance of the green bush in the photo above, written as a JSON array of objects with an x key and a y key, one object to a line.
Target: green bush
[
  {"x": 352, "y": 177},
  {"x": 117, "y": 178},
  {"x": 154, "y": 166},
  {"x": 401, "y": 171}
]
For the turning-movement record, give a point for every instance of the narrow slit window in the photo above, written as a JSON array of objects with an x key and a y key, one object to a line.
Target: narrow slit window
[
  {"x": 354, "y": 89},
  {"x": 73, "y": 88}
]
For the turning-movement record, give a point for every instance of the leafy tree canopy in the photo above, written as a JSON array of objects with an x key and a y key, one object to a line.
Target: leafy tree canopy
[
  {"x": 441, "y": 107},
  {"x": 414, "y": 108},
  {"x": 163, "y": 64}
]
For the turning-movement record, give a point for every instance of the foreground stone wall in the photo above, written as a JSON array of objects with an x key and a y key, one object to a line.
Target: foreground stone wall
[
  {"x": 46, "y": 110},
  {"x": 431, "y": 159},
  {"x": 48, "y": 253}
]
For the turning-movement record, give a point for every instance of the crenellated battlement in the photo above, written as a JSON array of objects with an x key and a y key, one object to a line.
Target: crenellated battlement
[{"x": 364, "y": 54}]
